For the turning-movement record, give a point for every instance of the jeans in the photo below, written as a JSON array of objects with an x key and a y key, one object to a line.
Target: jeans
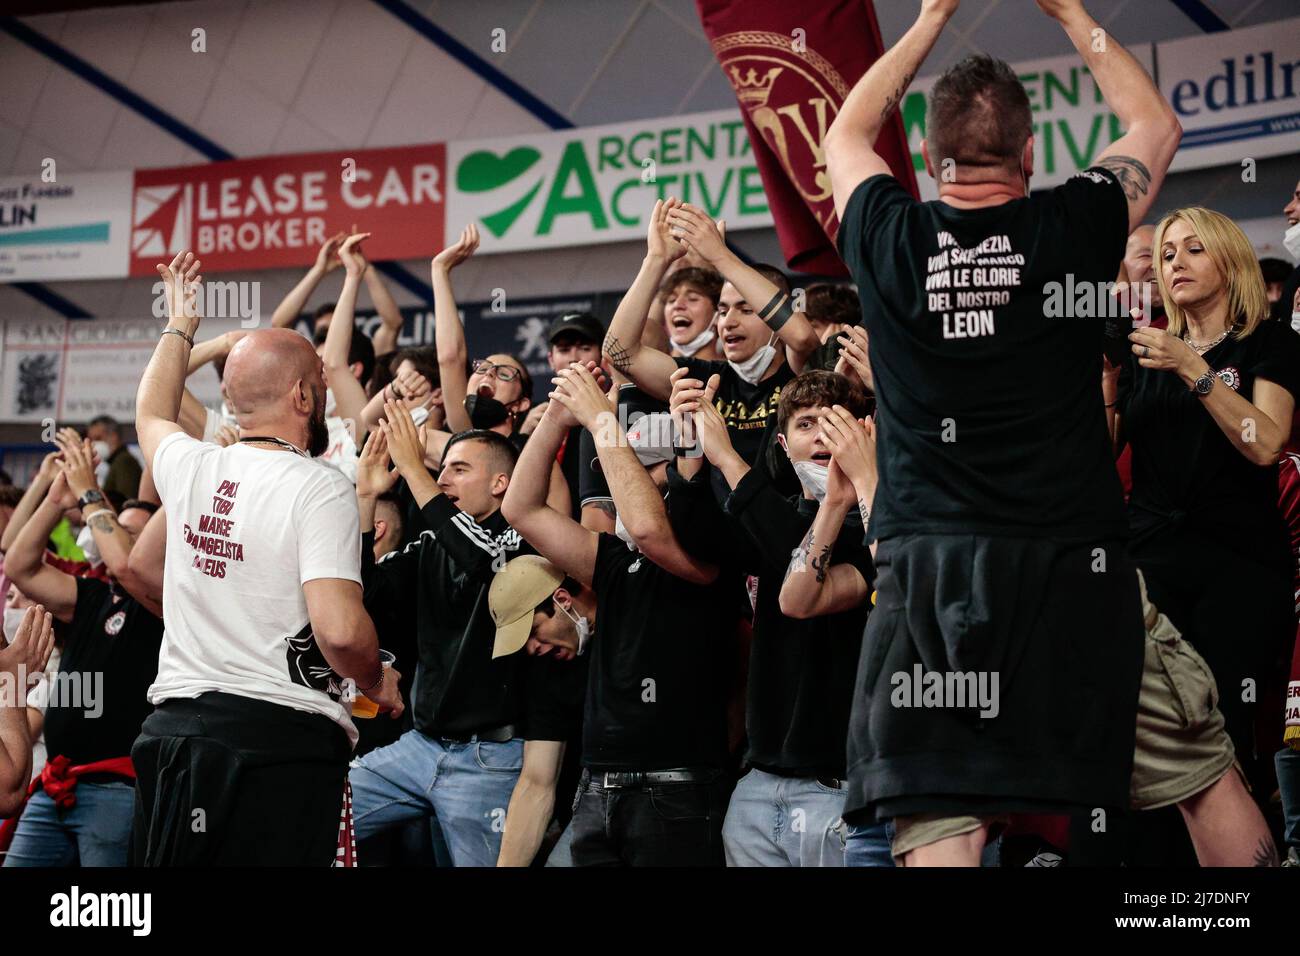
[
  {"x": 672, "y": 824},
  {"x": 868, "y": 844},
  {"x": 95, "y": 832},
  {"x": 1287, "y": 762},
  {"x": 784, "y": 821},
  {"x": 465, "y": 787}
]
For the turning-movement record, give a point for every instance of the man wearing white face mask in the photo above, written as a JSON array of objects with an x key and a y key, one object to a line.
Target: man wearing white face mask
[
  {"x": 801, "y": 672},
  {"x": 122, "y": 478},
  {"x": 764, "y": 342}
]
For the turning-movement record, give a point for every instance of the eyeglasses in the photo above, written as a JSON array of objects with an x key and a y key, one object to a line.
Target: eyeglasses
[{"x": 504, "y": 373}]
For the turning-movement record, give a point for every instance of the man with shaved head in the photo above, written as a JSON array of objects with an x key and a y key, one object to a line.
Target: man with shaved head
[{"x": 266, "y": 636}]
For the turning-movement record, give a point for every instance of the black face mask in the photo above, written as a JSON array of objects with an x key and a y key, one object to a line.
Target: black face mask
[{"x": 485, "y": 411}]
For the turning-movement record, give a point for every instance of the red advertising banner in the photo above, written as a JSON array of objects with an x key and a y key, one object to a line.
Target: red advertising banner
[
  {"x": 275, "y": 211},
  {"x": 791, "y": 66}
]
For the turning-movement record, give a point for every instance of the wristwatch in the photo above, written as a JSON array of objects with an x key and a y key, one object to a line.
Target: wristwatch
[
  {"x": 91, "y": 497},
  {"x": 1202, "y": 385}
]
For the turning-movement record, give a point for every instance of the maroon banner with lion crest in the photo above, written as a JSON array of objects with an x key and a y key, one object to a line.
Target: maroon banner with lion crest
[{"x": 792, "y": 65}]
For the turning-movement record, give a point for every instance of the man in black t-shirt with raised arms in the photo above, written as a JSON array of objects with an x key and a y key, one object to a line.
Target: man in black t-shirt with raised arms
[
  {"x": 652, "y": 791},
  {"x": 1000, "y": 669},
  {"x": 474, "y": 711}
]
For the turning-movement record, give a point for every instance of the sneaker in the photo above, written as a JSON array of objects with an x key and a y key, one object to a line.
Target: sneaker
[
  {"x": 1292, "y": 857},
  {"x": 1045, "y": 858}
]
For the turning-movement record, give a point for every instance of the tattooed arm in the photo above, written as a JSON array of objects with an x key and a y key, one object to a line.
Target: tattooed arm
[
  {"x": 813, "y": 586},
  {"x": 1139, "y": 158},
  {"x": 850, "y": 143}
]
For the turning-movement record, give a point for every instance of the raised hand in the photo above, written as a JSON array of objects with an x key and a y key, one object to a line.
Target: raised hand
[
  {"x": 694, "y": 228},
  {"x": 852, "y": 444},
  {"x": 60, "y": 494},
  {"x": 226, "y": 436},
  {"x": 182, "y": 284},
  {"x": 374, "y": 476},
  {"x": 839, "y": 489},
  {"x": 78, "y": 466},
  {"x": 327, "y": 260},
  {"x": 457, "y": 253},
  {"x": 579, "y": 391},
  {"x": 682, "y": 405},
  {"x": 49, "y": 466},
  {"x": 405, "y": 442},
  {"x": 710, "y": 429},
  {"x": 660, "y": 241},
  {"x": 410, "y": 387},
  {"x": 26, "y": 657},
  {"x": 354, "y": 261},
  {"x": 853, "y": 362}
]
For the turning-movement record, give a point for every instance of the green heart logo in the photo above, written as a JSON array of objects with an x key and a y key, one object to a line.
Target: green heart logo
[{"x": 485, "y": 170}]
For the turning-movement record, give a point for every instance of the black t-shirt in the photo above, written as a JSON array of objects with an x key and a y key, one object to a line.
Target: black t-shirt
[
  {"x": 109, "y": 659},
  {"x": 437, "y": 588},
  {"x": 1186, "y": 472},
  {"x": 801, "y": 672},
  {"x": 989, "y": 416},
  {"x": 750, "y": 414},
  {"x": 657, "y": 693},
  {"x": 633, "y": 404}
]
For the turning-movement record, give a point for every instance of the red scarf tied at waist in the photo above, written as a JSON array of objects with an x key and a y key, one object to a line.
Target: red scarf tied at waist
[{"x": 59, "y": 781}]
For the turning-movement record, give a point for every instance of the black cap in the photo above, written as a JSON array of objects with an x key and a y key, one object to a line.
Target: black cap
[{"x": 583, "y": 324}]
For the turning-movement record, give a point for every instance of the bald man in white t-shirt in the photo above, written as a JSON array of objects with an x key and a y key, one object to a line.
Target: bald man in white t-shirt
[{"x": 266, "y": 636}]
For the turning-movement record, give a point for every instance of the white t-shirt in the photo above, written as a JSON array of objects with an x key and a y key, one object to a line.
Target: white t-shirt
[
  {"x": 342, "y": 450},
  {"x": 247, "y": 527}
]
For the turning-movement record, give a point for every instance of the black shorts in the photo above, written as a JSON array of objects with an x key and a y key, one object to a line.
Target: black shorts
[{"x": 997, "y": 675}]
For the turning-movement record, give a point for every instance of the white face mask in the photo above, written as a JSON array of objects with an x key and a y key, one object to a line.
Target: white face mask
[
  {"x": 580, "y": 625},
  {"x": 813, "y": 478},
  {"x": 697, "y": 343},
  {"x": 1291, "y": 239},
  {"x": 86, "y": 542},
  {"x": 13, "y": 617},
  {"x": 753, "y": 368},
  {"x": 102, "y": 450},
  {"x": 330, "y": 407}
]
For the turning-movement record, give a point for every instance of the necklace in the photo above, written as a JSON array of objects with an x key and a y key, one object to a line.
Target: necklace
[
  {"x": 275, "y": 441},
  {"x": 1208, "y": 345}
]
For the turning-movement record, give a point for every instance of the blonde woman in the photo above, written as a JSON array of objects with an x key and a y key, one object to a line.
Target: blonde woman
[{"x": 1206, "y": 406}]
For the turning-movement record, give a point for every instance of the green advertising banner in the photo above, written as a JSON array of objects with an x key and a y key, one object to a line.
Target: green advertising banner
[{"x": 597, "y": 184}]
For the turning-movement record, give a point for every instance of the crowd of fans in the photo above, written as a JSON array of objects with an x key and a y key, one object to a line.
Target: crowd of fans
[{"x": 625, "y": 625}]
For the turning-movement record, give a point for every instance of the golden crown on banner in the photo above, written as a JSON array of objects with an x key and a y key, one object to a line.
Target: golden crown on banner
[{"x": 750, "y": 89}]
